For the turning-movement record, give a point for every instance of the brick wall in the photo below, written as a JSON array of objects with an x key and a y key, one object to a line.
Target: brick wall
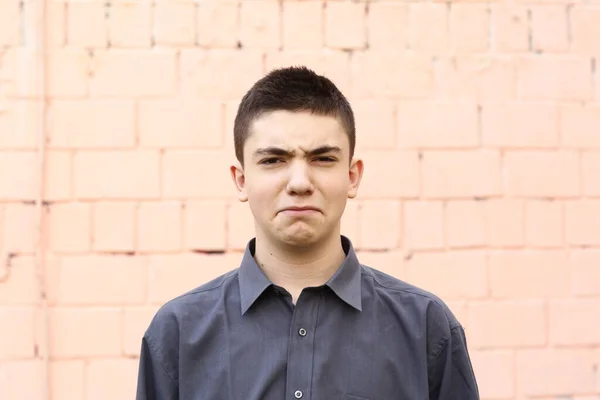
[{"x": 479, "y": 123}]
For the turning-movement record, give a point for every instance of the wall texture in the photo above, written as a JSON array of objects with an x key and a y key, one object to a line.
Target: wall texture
[{"x": 479, "y": 122}]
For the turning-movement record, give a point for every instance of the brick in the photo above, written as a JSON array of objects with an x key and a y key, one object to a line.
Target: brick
[
  {"x": 335, "y": 65},
  {"x": 469, "y": 28},
  {"x": 204, "y": 225},
  {"x": 423, "y": 225},
  {"x": 67, "y": 379},
  {"x": 544, "y": 225},
  {"x": 183, "y": 169},
  {"x": 580, "y": 125},
  {"x": 231, "y": 108},
  {"x": 86, "y": 24},
  {"x": 69, "y": 227},
  {"x": 302, "y": 25},
  {"x": 111, "y": 379},
  {"x": 542, "y": 173},
  {"x": 217, "y": 24},
  {"x": 181, "y": 123},
  {"x": 520, "y": 125},
  {"x": 18, "y": 333},
  {"x": 380, "y": 224},
  {"x": 20, "y": 124},
  {"x": 20, "y": 228},
  {"x": 9, "y": 24},
  {"x": 114, "y": 226},
  {"x": 18, "y": 175},
  {"x": 495, "y": 373},
  {"x": 375, "y": 124},
  {"x": 174, "y": 274},
  {"x": 133, "y": 73},
  {"x": 444, "y": 273},
  {"x": 68, "y": 73},
  {"x": 460, "y": 311},
  {"x": 240, "y": 225},
  {"x": 174, "y": 23},
  {"x": 2, "y": 231},
  {"x": 116, "y": 174},
  {"x": 85, "y": 332},
  {"x": 92, "y": 124},
  {"x": 511, "y": 27},
  {"x": 350, "y": 222},
  {"x": 57, "y": 22},
  {"x": 461, "y": 173},
  {"x": 477, "y": 78},
  {"x": 388, "y": 75},
  {"x": 585, "y": 274},
  {"x": 389, "y": 262},
  {"x": 428, "y": 28},
  {"x": 590, "y": 165},
  {"x": 135, "y": 323},
  {"x": 529, "y": 274},
  {"x": 130, "y": 24},
  {"x": 260, "y": 22},
  {"x": 465, "y": 223},
  {"x": 27, "y": 23},
  {"x": 504, "y": 220},
  {"x": 437, "y": 124},
  {"x": 219, "y": 74},
  {"x": 383, "y": 167},
  {"x": 20, "y": 75},
  {"x": 58, "y": 173},
  {"x": 101, "y": 280},
  {"x": 571, "y": 371},
  {"x": 585, "y": 26},
  {"x": 21, "y": 379},
  {"x": 582, "y": 219},
  {"x": 22, "y": 287},
  {"x": 345, "y": 26},
  {"x": 549, "y": 28},
  {"x": 506, "y": 324},
  {"x": 387, "y": 25},
  {"x": 554, "y": 77},
  {"x": 159, "y": 227}
]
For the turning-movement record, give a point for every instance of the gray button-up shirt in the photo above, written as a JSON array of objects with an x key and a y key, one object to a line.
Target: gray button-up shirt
[{"x": 362, "y": 335}]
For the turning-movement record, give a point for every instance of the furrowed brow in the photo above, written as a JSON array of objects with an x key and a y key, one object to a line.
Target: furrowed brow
[
  {"x": 324, "y": 150},
  {"x": 273, "y": 151}
]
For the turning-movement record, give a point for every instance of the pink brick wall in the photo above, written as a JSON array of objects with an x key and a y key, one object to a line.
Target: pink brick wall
[{"x": 479, "y": 123}]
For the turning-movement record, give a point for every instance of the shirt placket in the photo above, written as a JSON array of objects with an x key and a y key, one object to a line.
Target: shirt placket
[{"x": 301, "y": 347}]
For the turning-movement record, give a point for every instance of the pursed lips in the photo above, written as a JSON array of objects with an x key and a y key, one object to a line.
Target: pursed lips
[{"x": 300, "y": 209}]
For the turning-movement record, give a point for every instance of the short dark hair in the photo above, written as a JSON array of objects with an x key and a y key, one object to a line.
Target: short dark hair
[{"x": 295, "y": 88}]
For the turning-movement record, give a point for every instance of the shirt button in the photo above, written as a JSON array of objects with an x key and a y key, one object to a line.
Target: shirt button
[
  {"x": 298, "y": 394},
  {"x": 302, "y": 332}
]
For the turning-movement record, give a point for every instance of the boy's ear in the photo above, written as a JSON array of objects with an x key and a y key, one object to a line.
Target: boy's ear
[
  {"x": 239, "y": 180},
  {"x": 356, "y": 173}
]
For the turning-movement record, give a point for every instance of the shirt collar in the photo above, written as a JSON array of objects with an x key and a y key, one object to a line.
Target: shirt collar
[{"x": 345, "y": 283}]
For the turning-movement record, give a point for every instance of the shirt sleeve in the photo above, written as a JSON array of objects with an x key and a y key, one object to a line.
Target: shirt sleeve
[
  {"x": 154, "y": 383},
  {"x": 451, "y": 373}
]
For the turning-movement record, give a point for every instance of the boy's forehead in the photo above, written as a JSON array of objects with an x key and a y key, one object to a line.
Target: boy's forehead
[{"x": 296, "y": 129}]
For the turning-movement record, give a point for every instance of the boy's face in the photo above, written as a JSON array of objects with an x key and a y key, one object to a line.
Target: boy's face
[{"x": 297, "y": 177}]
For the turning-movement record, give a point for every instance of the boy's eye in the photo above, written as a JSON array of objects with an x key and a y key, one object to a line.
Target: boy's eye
[
  {"x": 326, "y": 159},
  {"x": 268, "y": 161}
]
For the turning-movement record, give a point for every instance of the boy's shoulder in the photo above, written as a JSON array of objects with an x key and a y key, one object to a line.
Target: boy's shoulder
[{"x": 395, "y": 286}]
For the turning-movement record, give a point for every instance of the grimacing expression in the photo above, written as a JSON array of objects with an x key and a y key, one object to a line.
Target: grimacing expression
[{"x": 297, "y": 176}]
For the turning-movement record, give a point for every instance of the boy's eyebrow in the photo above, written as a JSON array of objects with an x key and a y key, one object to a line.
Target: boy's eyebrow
[{"x": 278, "y": 151}]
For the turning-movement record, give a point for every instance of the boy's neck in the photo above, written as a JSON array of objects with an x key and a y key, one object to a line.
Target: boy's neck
[{"x": 296, "y": 270}]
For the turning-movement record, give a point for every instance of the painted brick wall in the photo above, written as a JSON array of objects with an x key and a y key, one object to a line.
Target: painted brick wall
[{"x": 479, "y": 123}]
